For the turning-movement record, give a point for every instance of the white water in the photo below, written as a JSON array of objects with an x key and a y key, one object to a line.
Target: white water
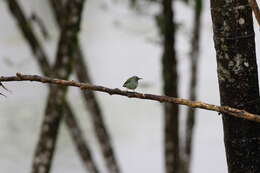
[{"x": 116, "y": 45}]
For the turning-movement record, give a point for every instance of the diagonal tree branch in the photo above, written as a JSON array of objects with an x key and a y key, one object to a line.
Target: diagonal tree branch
[
  {"x": 163, "y": 99},
  {"x": 37, "y": 20},
  {"x": 56, "y": 99},
  {"x": 80, "y": 142},
  {"x": 90, "y": 99},
  {"x": 43, "y": 63},
  {"x": 29, "y": 35},
  {"x": 96, "y": 114}
]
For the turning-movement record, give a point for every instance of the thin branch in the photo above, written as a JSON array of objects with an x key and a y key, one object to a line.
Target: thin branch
[
  {"x": 85, "y": 86},
  {"x": 92, "y": 105},
  {"x": 255, "y": 9},
  {"x": 38, "y": 20},
  {"x": 4, "y": 87},
  {"x": 30, "y": 36}
]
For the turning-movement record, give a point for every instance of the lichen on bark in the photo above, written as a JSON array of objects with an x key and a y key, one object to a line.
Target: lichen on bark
[{"x": 238, "y": 81}]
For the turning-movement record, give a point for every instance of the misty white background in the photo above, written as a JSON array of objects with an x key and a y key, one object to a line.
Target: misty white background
[{"x": 117, "y": 43}]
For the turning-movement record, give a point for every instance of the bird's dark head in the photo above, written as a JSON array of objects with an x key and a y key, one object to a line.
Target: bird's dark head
[{"x": 137, "y": 78}]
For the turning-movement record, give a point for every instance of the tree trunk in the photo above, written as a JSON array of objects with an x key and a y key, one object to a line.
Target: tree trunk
[
  {"x": 42, "y": 60},
  {"x": 194, "y": 59},
  {"x": 77, "y": 137},
  {"x": 56, "y": 100},
  {"x": 90, "y": 99},
  {"x": 238, "y": 81},
  {"x": 170, "y": 88}
]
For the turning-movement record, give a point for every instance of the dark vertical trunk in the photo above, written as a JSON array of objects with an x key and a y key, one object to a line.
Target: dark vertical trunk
[
  {"x": 194, "y": 59},
  {"x": 170, "y": 78},
  {"x": 238, "y": 81}
]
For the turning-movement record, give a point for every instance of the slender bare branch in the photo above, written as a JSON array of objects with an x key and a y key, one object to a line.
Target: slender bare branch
[
  {"x": 255, "y": 9},
  {"x": 4, "y": 87},
  {"x": 38, "y": 20},
  {"x": 85, "y": 86},
  {"x": 30, "y": 36}
]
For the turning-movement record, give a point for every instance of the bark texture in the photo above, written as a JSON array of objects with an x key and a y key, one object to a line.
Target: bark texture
[
  {"x": 56, "y": 100},
  {"x": 42, "y": 60},
  {"x": 238, "y": 81}
]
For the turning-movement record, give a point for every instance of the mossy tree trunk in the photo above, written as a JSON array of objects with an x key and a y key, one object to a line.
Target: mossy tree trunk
[{"x": 238, "y": 81}]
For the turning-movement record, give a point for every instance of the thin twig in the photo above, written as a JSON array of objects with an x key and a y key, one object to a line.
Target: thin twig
[
  {"x": 255, "y": 9},
  {"x": 38, "y": 20},
  {"x": 85, "y": 86},
  {"x": 3, "y": 95},
  {"x": 5, "y": 88}
]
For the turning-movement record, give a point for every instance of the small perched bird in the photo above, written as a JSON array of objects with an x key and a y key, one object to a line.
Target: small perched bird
[{"x": 132, "y": 83}]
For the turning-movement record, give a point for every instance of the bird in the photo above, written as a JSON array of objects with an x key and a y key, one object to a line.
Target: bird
[{"x": 132, "y": 82}]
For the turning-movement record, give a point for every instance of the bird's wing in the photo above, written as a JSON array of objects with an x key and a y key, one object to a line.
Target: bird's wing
[{"x": 126, "y": 82}]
